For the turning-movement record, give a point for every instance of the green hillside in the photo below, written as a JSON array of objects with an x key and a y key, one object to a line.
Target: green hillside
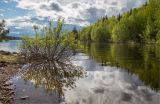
[{"x": 141, "y": 25}]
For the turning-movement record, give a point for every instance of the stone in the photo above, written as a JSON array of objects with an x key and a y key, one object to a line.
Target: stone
[
  {"x": 3, "y": 64},
  {"x": 24, "y": 97},
  {"x": 7, "y": 84},
  {"x": 5, "y": 53}
]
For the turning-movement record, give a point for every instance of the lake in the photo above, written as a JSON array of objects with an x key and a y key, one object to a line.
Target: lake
[{"x": 115, "y": 74}]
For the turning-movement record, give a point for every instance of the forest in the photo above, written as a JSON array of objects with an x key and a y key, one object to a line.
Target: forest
[{"x": 139, "y": 25}]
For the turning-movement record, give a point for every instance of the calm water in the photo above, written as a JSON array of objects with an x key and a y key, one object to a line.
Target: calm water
[
  {"x": 11, "y": 45},
  {"x": 115, "y": 74}
]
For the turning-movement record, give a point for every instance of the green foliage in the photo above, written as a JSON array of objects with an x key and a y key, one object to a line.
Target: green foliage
[
  {"x": 48, "y": 58},
  {"x": 49, "y": 44},
  {"x": 85, "y": 34},
  {"x": 138, "y": 25},
  {"x": 100, "y": 32},
  {"x": 120, "y": 32},
  {"x": 158, "y": 37}
]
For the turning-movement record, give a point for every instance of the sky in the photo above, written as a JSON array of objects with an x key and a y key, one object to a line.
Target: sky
[{"x": 23, "y": 14}]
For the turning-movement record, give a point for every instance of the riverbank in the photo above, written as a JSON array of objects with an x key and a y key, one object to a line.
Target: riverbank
[{"x": 9, "y": 65}]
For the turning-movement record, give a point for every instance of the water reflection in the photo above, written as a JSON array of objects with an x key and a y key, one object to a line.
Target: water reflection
[
  {"x": 103, "y": 85},
  {"x": 116, "y": 74},
  {"x": 142, "y": 60},
  {"x": 109, "y": 85},
  {"x": 54, "y": 78},
  {"x": 11, "y": 45}
]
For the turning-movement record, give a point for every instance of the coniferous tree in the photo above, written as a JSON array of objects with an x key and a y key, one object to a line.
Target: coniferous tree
[{"x": 75, "y": 32}]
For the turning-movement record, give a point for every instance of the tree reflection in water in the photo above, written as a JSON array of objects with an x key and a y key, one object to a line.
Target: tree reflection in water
[
  {"x": 53, "y": 77},
  {"x": 140, "y": 60}
]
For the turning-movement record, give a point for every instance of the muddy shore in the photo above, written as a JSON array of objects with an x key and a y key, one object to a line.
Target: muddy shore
[{"x": 9, "y": 66}]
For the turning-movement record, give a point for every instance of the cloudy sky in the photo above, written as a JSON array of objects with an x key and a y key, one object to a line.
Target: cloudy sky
[{"x": 26, "y": 13}]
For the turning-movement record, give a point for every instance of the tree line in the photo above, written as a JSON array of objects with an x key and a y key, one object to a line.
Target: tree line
[{"x": 138, "y": 25}]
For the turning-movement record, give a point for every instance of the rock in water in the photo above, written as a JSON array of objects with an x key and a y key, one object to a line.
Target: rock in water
[{"x": 24, "y": 97}]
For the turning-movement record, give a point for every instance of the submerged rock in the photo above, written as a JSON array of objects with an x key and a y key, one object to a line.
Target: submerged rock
[{"x": 24, "y": 97}]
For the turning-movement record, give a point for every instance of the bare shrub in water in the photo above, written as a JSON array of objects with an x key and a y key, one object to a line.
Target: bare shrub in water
[
  {"x": 49, "y": 46},
  {"x": 48, "y": 58}
]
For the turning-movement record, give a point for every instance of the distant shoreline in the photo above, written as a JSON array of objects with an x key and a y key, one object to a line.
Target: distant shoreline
[{"x": 10, "y": 38}]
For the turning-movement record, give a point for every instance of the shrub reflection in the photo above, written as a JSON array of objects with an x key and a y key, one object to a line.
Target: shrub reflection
[{"x": 53, "y": 77}]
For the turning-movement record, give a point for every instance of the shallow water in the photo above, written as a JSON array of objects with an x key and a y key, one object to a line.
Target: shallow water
[
  {"x": 36, "y": 95},
  {"x": 11, "y": 45},
  {"x": 116, "y": 74}
]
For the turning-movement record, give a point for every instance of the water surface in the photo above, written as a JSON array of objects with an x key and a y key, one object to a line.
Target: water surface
[
  {"x": 11, "y": 45},
  {"x": 116, "y": 74}
]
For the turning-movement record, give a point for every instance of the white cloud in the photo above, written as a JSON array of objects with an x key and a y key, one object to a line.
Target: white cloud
[
  {"x": 21, "y": 22},
  {"x": 6, "y": 1},
  {"x": 78, "y": 12}
]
